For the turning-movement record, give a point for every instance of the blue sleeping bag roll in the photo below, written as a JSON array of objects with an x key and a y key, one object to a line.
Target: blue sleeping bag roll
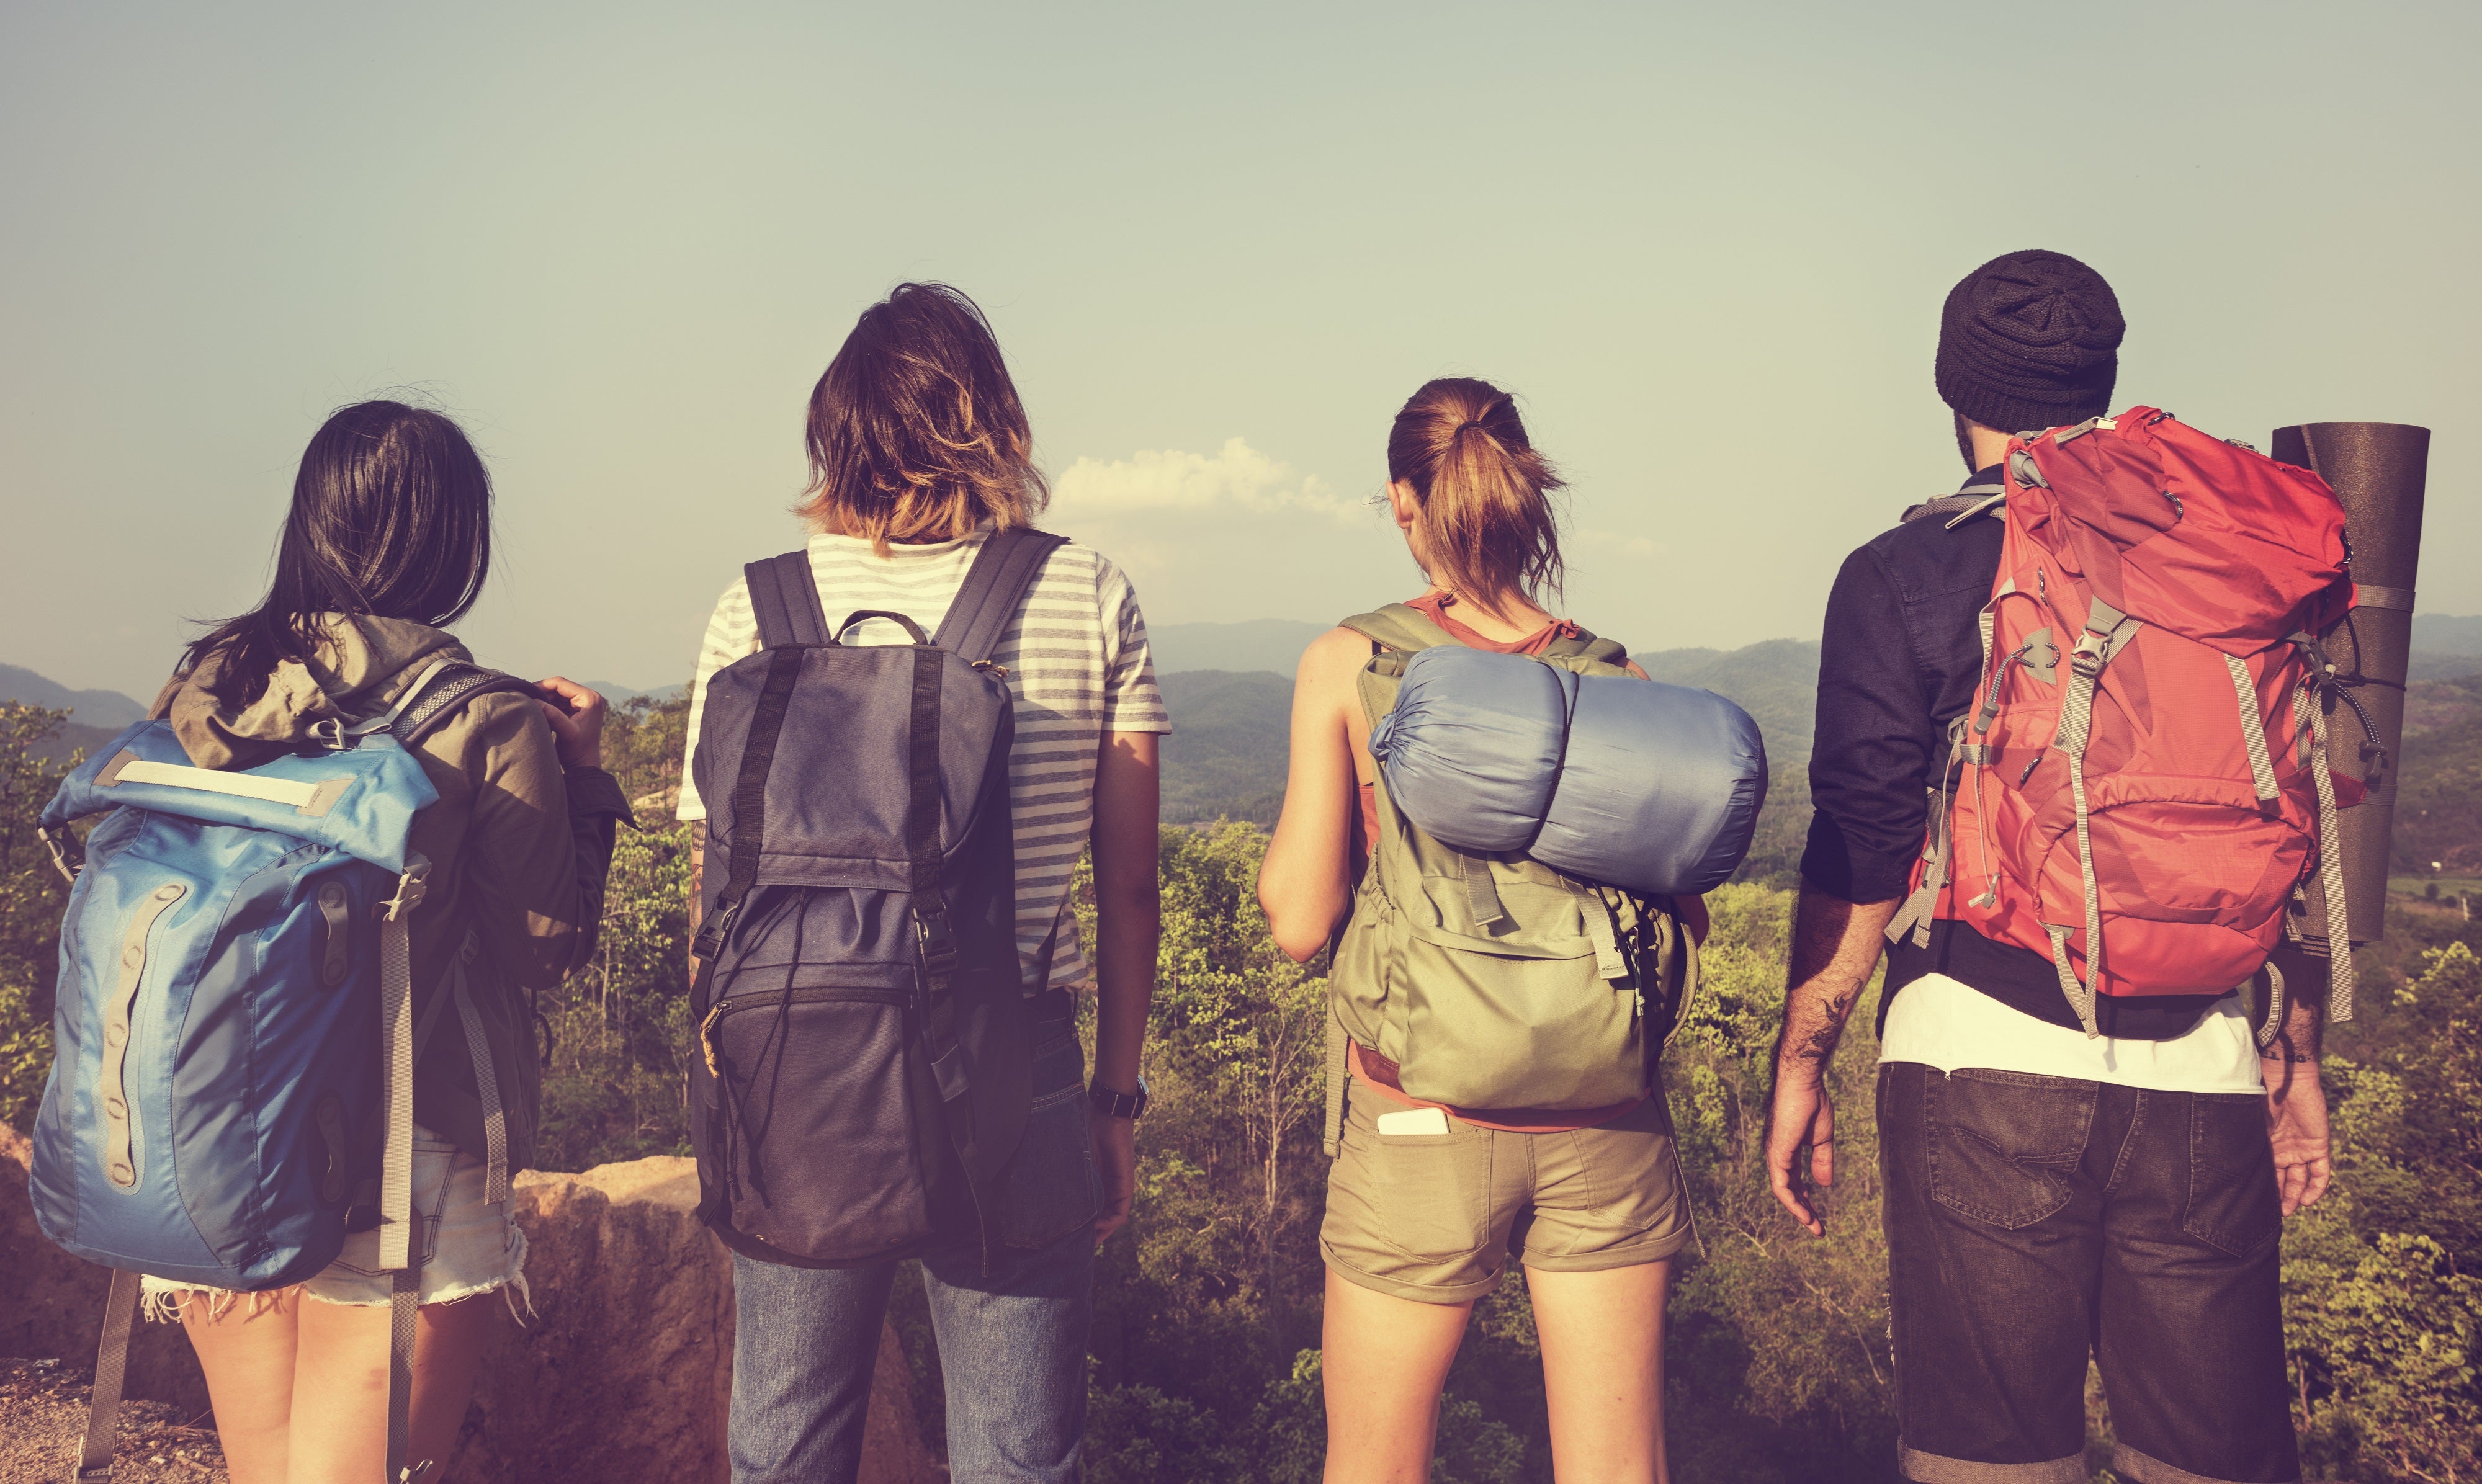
[{"x": 1610, "y": 779}]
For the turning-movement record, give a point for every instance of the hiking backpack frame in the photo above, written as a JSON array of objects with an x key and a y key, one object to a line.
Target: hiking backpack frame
[
  {"x": 240, "y": 938},
  {"x": 863, "y": 1072},
  {"x": 2141, "y": 789},
  {"x": 1491, "y": 980}
]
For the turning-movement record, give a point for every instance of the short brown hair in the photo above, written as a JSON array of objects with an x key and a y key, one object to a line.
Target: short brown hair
[
  {"x": 1488, "y": 528},
  {"x": 915, "y": 430}
]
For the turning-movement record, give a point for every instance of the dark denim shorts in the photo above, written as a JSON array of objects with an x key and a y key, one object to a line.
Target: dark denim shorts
[{"x": 2033, "y": 1221}]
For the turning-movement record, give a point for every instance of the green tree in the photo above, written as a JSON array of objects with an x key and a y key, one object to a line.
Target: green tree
[{"x": 33, "y": 896}]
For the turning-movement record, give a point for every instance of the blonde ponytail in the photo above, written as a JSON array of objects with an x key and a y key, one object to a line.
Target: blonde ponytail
[{"x": 1488, "y": 529}]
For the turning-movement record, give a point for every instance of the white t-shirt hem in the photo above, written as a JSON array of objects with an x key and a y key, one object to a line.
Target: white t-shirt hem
[{"x": 1947, "y": 1023}]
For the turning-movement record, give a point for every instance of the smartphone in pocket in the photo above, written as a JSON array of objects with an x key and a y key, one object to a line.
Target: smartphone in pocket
[{"x": 1412, "y": 1121}]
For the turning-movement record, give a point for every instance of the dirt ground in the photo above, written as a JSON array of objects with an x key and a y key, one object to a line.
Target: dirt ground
[{"x": 42, "y": 1422}]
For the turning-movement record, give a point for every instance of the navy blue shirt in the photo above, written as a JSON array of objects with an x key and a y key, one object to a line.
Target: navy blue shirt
[{"x": 1901, "y": 657}]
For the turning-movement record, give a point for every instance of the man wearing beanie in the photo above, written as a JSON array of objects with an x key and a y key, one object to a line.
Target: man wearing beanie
[{"x": 2046, "y": 1193}]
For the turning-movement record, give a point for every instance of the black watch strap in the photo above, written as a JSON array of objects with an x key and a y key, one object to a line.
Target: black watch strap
[{"x": 1116, "y": 1105}]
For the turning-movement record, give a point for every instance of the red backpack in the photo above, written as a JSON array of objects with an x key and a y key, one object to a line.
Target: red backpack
[{"x": 2142, "y": 787}]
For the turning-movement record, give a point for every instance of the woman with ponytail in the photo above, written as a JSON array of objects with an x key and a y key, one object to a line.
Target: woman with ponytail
[{"x": 1427, "y": 1204}]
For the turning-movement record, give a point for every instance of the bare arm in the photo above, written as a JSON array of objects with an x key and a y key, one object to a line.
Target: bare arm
[
  {"x": 1128, "y": 919},
  {"x": 2296, "y": 1101},
  {"x": 1834, "y": 945},
  {"x": 1306, "y": 884},
  {"x": 1128, "y": 926}
]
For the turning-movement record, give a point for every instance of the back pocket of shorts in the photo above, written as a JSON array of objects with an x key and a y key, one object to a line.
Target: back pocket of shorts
[
  {"x": 2232, "y": 1199},
  {"x": 1431, "y": 1190}
]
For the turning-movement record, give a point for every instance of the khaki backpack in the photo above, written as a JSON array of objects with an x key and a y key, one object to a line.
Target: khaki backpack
[{"x": 1493, "y": 981}]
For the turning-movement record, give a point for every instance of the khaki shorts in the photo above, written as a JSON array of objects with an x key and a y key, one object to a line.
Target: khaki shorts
[{"x": 1436, "y": 1217}]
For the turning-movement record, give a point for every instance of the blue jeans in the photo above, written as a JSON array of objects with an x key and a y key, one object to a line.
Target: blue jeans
[{"x": 1012, "y": 1345}]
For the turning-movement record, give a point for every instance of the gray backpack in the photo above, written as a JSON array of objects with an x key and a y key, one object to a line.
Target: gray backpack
[{"x": 862, "y": 1072}]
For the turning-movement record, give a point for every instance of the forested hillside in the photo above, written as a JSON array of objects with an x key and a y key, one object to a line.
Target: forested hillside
[{"x": 1205, "y": 1351}]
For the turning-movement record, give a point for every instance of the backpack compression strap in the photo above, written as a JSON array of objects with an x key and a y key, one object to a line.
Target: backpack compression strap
[
  {"x": 110, "y": 1367},
  {"x": 997, "y": 582},
  {"x": 785, "y": 599}
]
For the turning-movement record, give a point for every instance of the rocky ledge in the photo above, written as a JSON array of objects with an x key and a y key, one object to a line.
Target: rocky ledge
[{"x": 622, "y": 1372}]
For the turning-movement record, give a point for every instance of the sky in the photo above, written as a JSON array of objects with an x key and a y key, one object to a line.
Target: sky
[{"x": 1706, "y": 246}]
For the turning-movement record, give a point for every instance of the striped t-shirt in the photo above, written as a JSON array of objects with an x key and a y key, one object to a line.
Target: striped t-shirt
[{"x": 1077, "y": 664}]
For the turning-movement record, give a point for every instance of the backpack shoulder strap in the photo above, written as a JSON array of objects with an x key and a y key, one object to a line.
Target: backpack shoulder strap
[
  {"x": 1586, "y": 646},
  {"x": 434, "y": 702},
  {"x": 785, "y": 599},
  {"x": 1398, "y": 626},
  {"x": 994, "y": 586},
  {"x": 1960, "y": 507}
]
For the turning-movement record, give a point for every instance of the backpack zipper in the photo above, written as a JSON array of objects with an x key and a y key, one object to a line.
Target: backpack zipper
[{"x": 778, "y": 998}]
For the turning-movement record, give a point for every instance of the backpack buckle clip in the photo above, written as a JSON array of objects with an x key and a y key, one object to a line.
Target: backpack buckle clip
[
  {"x": 68, "y": 857},
  {"x": 410, "y": 888},
  {"x": 936, "y": 942},
  {"x": 714, "y": 929}
]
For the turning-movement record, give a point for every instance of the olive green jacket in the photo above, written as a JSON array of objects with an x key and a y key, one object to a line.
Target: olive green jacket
[{"x": 519, "y": 848}]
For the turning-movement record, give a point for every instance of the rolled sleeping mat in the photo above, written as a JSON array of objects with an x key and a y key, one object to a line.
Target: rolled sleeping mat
[
  {"x": 2378, "y": 470},
  {"x": 1610, "y": 779}
]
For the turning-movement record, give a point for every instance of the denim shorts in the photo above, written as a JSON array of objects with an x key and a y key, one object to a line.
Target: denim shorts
[
  {"x": 468, "y": 1247},
  {"x": 1434, "y": 1217}
]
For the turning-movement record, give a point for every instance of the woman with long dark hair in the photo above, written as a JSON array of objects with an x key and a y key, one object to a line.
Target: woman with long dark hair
[
  {"x": 388, "y": 541},
  {"x": 1428, "y": 1205}
]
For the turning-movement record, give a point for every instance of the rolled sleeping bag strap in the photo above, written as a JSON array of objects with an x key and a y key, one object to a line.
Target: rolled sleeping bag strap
[
  {"x": 1482, "y": 894},
  {"x": 1610, "y": 962}
]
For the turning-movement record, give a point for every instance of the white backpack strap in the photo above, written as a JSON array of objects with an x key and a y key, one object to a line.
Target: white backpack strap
[
  {"x": 2108, "y": 631},
  {"x": 111, "y": 1368},
  {"x": 2331, "y": 864},
  {"x": 397, "y": 1250},
  {"x": 487, "y": 1083},
  {"x": 2253, "y": 730}
]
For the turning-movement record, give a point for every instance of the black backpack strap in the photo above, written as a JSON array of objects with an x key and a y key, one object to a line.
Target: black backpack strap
[
  {"x": 440, "y": 699},
  {"x": 785, "y": 599},
  {"x": 994, "y": 585}
]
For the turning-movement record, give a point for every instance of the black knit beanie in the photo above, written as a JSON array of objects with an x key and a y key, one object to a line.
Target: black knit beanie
[{"x": 2029, "y": 341}]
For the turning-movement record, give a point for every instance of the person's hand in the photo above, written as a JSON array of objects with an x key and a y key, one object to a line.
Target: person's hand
[
  {"x": 1116, "y": 1154},
  {"x": 576, "y": 717},
  {"x": 2296, "y": 1127},
  {"x": 1803, "y": 1114}
]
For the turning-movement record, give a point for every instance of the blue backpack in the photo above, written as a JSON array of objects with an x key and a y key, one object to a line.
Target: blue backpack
[{"x": 232, "y": 1084}]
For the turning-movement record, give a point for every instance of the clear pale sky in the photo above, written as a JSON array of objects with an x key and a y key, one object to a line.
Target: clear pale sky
[{"x": 1707, "y": 246}]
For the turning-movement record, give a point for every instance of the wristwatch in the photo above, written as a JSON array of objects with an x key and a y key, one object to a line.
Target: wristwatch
[{"x": 1112, "y": 1104}]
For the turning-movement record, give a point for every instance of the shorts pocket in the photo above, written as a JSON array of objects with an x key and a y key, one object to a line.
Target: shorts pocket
[
  {"x": 1053, "y": 1185},
  {"x": 2000, "y": 1143},
  {"x": 1432, "y": 1191},
  {"x": 2233, "y": 1199},
  {"x": 435, "y": 1167}
]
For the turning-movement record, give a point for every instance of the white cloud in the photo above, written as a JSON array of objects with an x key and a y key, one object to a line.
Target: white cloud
[{"x": 1238, "y": 479}]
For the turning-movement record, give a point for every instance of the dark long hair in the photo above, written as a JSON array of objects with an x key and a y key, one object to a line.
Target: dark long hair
[
  {"x": 391, "y": 518},
  {"x": 915, "y": 431},
  {"x": 1489, "y": 526}
]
